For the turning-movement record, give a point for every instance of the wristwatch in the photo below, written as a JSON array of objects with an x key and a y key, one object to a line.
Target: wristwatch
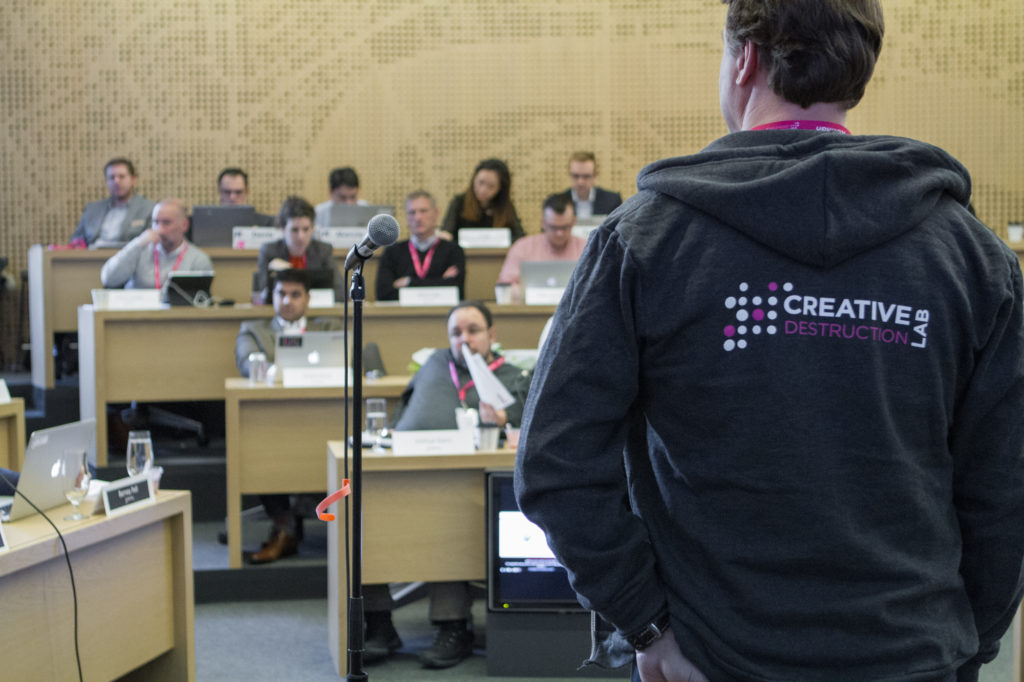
[{"x": 650, "y": 633}]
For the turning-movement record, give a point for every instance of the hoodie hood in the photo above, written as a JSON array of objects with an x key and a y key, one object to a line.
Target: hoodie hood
[{"x": 817, "y": 197}]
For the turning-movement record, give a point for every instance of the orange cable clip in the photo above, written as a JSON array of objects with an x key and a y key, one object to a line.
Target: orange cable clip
[{"x": 346, "y": 488}]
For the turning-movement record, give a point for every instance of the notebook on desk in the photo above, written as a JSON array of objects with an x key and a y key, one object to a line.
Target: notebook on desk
[{"x": 47, "y": 450}]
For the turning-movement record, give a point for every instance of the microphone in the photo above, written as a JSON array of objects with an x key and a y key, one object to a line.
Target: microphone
[{"x": 382, "y": 230}]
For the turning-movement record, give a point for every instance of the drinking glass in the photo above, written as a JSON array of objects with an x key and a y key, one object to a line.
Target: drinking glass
[
  {"x": 140, "y": 453},
  {"x": 74, "y": 470},
  {"x": 377, "y": 422}
]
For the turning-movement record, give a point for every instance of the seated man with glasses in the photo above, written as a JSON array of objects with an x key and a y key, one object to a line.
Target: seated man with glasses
[{"x": 556, "y": 241}]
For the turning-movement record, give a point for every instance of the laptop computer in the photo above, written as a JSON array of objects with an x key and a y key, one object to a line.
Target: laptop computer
[
  {"x": 212, "y": 225},
  {"x": 322, "y": 349},
  {"x": 189, "y": 288},
  {"x": 46, "y": 451},
  {"x": 545, "y": 273},
  {"x": 354, "y": 215}
]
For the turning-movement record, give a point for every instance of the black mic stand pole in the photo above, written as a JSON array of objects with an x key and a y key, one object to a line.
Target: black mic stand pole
[{"x": 356, "y": 634}]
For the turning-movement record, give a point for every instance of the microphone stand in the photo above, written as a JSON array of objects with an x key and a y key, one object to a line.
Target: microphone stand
[{"x": 356, "y": 633}]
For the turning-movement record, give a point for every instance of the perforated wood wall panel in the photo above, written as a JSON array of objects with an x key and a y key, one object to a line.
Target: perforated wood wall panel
[{"x": 414, "y": 92}]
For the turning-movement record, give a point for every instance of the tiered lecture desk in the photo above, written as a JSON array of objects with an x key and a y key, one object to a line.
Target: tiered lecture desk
[
  {"x": 276, "y": 438},
  {"x": 61, "y": 280},
  {"x": 12, "y": 434},
  {"x": 423, "y": 519},
  {"x": 180, "y": 354},
  {"x": 133, "y": 576}
]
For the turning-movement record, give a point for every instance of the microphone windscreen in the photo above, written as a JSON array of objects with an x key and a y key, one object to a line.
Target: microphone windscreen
[{"x": 383, "y": 229}]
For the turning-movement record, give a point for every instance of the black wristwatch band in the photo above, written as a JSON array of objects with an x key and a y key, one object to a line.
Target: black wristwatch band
[{"x": 651, "y": 633}]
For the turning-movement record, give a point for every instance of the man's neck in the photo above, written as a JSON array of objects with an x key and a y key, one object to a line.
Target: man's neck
[
  {"x": 424, "y": 241},
  {"x": 773, "y": 109}
]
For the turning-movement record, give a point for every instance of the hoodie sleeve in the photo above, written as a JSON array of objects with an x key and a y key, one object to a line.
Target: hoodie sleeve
[
  {"x": 987, "y": 444},
  {"x": 570, "y": 476}
]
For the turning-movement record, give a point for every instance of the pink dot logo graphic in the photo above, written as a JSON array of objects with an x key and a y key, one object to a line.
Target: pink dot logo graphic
[{"x": 753, "y": 314}]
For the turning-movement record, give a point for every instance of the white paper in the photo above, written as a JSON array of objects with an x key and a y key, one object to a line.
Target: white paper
[
  {"x": 296, "y": 377},
  {"x": 490, "y": 390},
  {"x": 254, "y": 237},
  {"x": 485, "y": 237},
  {"x": 428, "y": 296},
  {"x": 321, "y": 298},
  {"x": 126, "y": 299},
  {"x": 5, "y": 395},
  {"x": 543, "y": 295},
  {"x": 437, "y": 442},
  {"x": 340, "y": 237}
]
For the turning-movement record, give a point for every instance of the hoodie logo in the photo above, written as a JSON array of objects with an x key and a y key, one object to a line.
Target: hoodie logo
[{"x": 780, "y": 309}]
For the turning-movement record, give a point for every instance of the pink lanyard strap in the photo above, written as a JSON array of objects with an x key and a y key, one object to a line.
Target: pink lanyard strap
[
  {"x": 422, "y": 267},
  {"x": 495, "y": 364},
  {"x": 156, "y": 264},
  {"x": 803, "y": 125}
]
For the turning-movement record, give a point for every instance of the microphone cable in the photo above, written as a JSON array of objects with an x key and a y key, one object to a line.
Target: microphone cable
[{"x": 67, "y": 558}]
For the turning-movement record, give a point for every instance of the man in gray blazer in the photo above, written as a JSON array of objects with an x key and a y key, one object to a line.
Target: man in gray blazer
[
  {"x": 121, "y": 217},
  {"x": 291, "y": 299}
]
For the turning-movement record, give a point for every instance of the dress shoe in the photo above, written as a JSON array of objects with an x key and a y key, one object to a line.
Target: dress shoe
[
  {"x": 281, "y": 544},
  {"x": 382, "y": 639},
  {"x": 453, "y": 643}
]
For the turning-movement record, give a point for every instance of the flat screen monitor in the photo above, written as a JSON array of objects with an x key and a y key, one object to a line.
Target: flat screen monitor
[{"x": 522, "y": 572}]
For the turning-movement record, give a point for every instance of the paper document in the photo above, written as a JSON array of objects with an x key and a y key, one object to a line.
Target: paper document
[{"x": 491, "y": 391}]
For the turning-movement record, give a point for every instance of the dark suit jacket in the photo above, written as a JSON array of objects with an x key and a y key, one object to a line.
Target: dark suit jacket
[
  {"x": 136, "y": 219},
  {"x": 319, "y": 255},
  {"x": 605, "y": 201},
  {"x": 257, "y": 336}
]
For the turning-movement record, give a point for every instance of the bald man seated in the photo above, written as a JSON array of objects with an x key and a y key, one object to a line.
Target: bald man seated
[{"x": 147, "y": 261}]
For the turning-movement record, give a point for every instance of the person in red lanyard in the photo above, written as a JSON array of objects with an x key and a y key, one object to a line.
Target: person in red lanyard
[
  {"x": 148, "y": 260},
  {"x": 297, "y": 249},
  {"x": 442, "y": 385},
  {"x": 423, "y": 260},
  {"x": 775, "y": 429}
]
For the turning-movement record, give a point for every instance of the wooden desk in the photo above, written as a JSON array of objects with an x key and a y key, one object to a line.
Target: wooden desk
[
  {"x": 12, "y": 434},
  {"x": 60, "y": 281},
  {"x": 275, "y": 440},
  {"x": 436, "y": 531},
  {"x": 186, "y": 353},
  {"x": 133, "y": 575}
]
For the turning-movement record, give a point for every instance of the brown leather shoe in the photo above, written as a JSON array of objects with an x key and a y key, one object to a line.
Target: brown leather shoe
[{"x": 281, "y": 544}]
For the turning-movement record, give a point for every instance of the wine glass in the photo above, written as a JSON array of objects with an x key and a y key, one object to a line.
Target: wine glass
[
  {"x": 377, "y": 421},
  {"x": 140, "y": 453},
  {"x": 75, "y": 477}
]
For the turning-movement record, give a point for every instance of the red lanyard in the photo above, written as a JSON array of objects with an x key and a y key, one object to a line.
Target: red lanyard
[
  {"x": 495, "y": 364},
  {"x": 421, "y": 266},
  {"x": 823, "y": 126},
  {"x": 156, "y": 264}
]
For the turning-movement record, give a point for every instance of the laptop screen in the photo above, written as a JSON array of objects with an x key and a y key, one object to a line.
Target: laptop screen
[
  {"x": 47, "y": 449},
  {"x": 212, "y": 225},
  {"x": 310, "y": 350}
]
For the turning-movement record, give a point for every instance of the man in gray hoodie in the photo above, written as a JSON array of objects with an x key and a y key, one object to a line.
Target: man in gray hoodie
[{"x": 795, "y": 366}]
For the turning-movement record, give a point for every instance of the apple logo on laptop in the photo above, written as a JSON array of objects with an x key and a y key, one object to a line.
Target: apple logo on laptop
[{"x": 314, "y": 357}]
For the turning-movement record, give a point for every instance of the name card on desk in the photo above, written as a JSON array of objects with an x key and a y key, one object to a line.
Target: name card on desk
[
  {"x": 253, "y": 237},
  {"x": 321, "y": 298},
  {"x": 543, "y": 295},
  {"x": 340, "y": 237},
  {"x": 439, "y": 442},
  {"x": 128, "y": 493},
  {"x": 427, "y": 296},
  {"x": 485, "y": 237},
  {"x": 126, "y": 299},
  {"x": 5, "y": 395},
  {"x": 307, "y": 377},
  {"x": 3, "y": 539}
]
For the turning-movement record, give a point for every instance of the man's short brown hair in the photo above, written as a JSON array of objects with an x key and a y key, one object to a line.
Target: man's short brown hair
[{"x": 812, "y": 50}]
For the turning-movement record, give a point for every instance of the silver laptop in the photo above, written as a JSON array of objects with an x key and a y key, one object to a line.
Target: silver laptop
[
  {"x": 47, "y": 450},
  {"x": 312, "y": 349},
  {"x": 545, "y": 273},
  {"x": 354, "y": 215}
]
